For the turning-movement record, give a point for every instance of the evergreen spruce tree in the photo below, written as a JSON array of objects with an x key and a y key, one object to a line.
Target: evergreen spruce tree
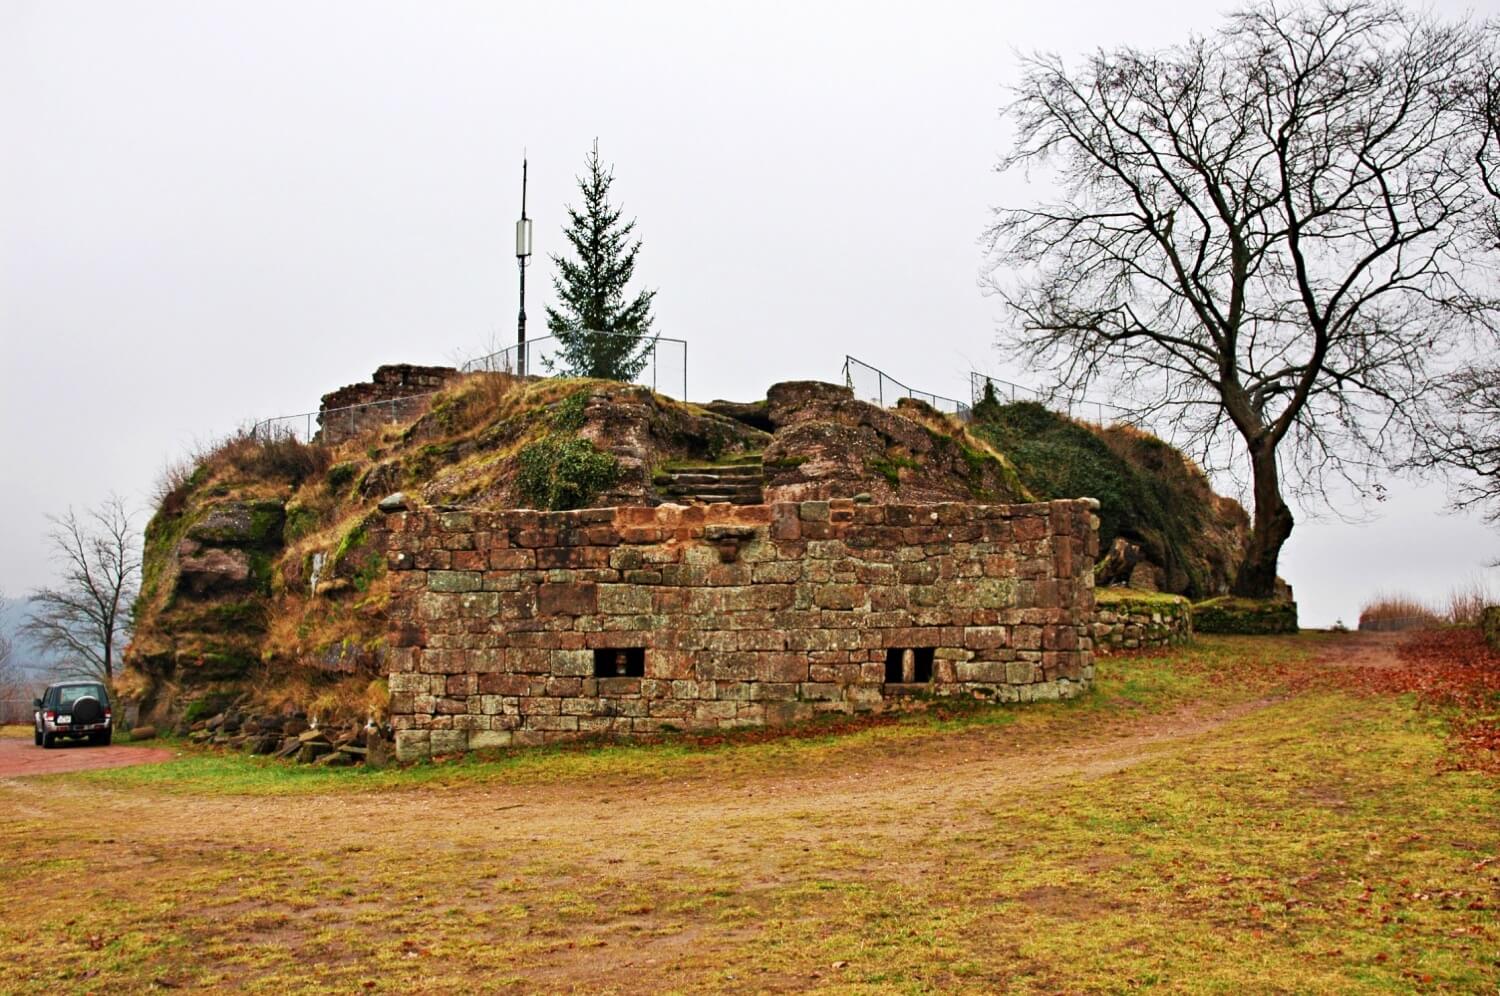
[{"x": 591, "y": 289}]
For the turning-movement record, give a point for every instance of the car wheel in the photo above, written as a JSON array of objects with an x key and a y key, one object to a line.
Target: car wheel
[
  {"x": 36, "y": 737},
  {"x": 48, "y": 742},
  {"x": 102, "y": 738}
]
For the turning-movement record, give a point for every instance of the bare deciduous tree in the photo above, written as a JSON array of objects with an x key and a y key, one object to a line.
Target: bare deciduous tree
[
  {"x": 1261, "y": 238},
  {"x": 10, "y": 684},
  {"x": 84, "y": 621},
  {"x": 1463, "y": 436}
]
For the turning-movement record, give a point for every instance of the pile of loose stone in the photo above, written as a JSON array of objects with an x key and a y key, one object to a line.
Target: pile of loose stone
[{"x": 294, "y": 737}]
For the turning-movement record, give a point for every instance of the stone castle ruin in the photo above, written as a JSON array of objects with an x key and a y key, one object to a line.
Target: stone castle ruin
[
  {"x": 523, "y": 627},
  {"x": 725, "y": 564}
]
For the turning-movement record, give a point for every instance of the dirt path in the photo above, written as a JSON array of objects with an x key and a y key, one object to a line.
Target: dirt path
[
  {"x": 22, "y": 757},
  {"x": 660, "y": 879},
  {"x": 1373, "y": 650},
  {"x": 869, "y": 814}
]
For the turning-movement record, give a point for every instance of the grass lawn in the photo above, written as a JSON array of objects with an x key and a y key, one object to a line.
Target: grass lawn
[{"x": 1228, "y": 817}]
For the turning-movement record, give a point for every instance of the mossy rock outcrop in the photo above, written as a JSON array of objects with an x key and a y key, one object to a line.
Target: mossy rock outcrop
[
  {"x": 828, "y": 444},
  {"x": 1250, "y": 616},
  {"x": 239, "y": 523},
  {"x": 1157, "y": 510}
]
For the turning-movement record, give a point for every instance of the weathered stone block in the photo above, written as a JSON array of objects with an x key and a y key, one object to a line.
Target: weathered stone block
[
  {"x": 624, "y": 599},
  {"x": 449, "y": 741},
  {"x": 454, "y": 580},
  {"x": 572, "y": 663},
  {"x": 567, "y": 599},
  {"x": 490, "y": 739},
  {"x": 412, "y": 745}
]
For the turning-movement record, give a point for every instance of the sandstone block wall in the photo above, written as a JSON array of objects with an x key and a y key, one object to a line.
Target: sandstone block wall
[
  {"x": 397, "y": 393},
  {"x": 528, "y": 627},
  {"x": 1125, "y": 620}
]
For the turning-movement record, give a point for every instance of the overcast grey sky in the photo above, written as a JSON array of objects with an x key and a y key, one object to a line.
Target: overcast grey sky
[{"x": 213, "y": 212}]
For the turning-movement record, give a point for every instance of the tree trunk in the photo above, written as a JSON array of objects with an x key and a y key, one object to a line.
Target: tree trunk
[{"x": 1272, "y": 525}]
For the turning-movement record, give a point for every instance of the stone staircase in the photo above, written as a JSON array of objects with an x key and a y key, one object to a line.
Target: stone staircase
[{"x": 740, "y": 483}]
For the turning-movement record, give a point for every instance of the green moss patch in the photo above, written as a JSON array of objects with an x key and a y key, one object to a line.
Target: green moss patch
[
  {"x": 557, "y": 473},
  {"x": 1134, "y": 600},
  {"x": 890, "y": 467}
]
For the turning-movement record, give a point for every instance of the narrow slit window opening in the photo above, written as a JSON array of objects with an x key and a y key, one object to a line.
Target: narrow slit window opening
[
  {"x": 620, "y": 662},
  {"x": 895, "y": 659}
]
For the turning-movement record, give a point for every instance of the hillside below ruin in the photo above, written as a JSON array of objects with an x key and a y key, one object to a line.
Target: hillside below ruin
[{"x": 261, "y": 578}]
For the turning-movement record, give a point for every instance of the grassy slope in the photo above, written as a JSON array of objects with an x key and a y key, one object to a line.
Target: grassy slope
[{"x": 1193, "y": 825}]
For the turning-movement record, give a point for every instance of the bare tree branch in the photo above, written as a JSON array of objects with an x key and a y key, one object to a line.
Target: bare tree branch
[{"x": 1462, "y": 437}]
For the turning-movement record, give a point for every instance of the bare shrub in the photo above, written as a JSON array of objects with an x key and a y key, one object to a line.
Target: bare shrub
[
  {"x": 1463, "y": 606},
  {"x": 1388, "y": 611},
  {"x": 1467, "y": 602},
  {"x": 264, "y": 454},
  {"x": 276, "y": 455}
]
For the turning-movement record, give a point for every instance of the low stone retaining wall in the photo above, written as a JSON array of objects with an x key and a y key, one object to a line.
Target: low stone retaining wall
[
  {"x": 1126, "y": 619},
  {"x": 522, "y": 627},
  {"x": 1245, "y": 616}
]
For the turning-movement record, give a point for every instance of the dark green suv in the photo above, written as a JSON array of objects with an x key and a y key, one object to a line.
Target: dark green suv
[{"x": 73, "y": 710}]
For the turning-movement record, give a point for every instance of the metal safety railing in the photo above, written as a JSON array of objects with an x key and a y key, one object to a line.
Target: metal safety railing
[
  {"x": 16, "y": 710},
  {"x": 346, "y": 421},
  {"x": 875, "y": 385},
  {"x": 1007, "y": 392},
  {"x": 542, "y": 357}
]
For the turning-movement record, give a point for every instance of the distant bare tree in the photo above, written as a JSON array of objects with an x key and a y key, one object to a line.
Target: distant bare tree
[
  {"x": 10, "y": 683},
  {"x": 84, "y": 621},
  {"x": 1261, "y": 239}
]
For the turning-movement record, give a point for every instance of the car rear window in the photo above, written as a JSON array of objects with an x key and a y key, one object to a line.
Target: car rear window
[{"x": 69, "y": 694}]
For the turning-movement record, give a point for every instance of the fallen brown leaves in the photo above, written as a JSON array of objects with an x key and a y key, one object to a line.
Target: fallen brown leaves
[{"x": 1453, "y": 670}]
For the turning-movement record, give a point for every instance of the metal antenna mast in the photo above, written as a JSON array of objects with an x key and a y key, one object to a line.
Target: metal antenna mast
[{"x": 523, "y": 256}]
